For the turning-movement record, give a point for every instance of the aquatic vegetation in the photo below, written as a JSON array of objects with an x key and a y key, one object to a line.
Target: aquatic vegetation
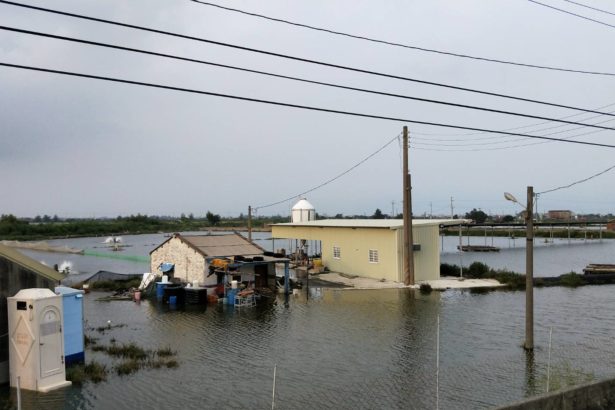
[{"x": 92, "y": 371}]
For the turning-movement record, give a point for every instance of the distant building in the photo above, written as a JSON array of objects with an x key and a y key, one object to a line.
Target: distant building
[
  {"x": 190, "y": 257},
  {"x": 17, "y": 272},
  {"x": 371, "y": 248},
  {"x": 610, "y": 225},
  {"x": 560, "y": 215}
]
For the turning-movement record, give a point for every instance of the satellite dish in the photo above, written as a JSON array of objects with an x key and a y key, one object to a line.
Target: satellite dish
[{"x": 510, "y": 197}]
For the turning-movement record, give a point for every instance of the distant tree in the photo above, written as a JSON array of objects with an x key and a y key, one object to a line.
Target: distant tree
[
  {"x": 339, "y": 216},
  {"x": 8, "y": 219},
  {"x": 182, "y": 216},
  {"x": 378, "y": 214},
  {"x": 46, "y": 218},
  {"x": 191, "y": 216},
  {"x": 38, "y": 218},
  {"x": 508, "y": 218},
  {"x": 477, "y": 216},
  {"x": 212, "y": 219},
  {"x": 55, "y": 218}
]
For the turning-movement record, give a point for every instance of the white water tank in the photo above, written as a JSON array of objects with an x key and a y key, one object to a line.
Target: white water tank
[
  {"x": 36, "y": 342},
  {"x": 303, "y": 211}
]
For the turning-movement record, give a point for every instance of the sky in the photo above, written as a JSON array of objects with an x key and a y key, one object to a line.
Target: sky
[{"x": 77, "y": 147}]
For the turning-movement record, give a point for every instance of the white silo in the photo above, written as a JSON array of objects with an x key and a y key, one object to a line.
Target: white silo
[{"x": 303, "y": 211}]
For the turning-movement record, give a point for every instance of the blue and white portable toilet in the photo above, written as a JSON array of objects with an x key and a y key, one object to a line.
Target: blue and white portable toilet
[{"x": 72, "y": 304}]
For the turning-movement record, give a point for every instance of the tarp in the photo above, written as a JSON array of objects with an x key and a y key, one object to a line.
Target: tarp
[{"x": 99, "y": 276}]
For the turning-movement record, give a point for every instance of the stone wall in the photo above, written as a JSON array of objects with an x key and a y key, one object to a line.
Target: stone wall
[
  {"x": 591, "y": 396},
  {"x": 189, "y": 264}
]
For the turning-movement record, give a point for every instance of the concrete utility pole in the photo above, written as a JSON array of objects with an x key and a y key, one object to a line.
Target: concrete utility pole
[
  {"x": 250, "y": 223},
  {"x": 408, "y": 242},
  {"x": 529, "y": 271}
]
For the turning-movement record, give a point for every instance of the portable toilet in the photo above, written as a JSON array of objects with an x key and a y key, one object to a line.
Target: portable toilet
[
  {"x": 72, "y": 306},
  {"x": 36, "y": 344}
]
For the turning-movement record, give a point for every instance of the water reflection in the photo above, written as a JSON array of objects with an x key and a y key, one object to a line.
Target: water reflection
[{"x": 348, "y": 349}]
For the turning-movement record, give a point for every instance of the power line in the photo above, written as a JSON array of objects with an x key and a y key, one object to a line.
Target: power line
[
  {"x": 332, "y": 179},
  {"x": 407, "y": 46},
  {"x": 363, "y": 90},
  {"x": 523, "y": 126},
  {"x": 571, "y": 13},
  {"x": 305, "y": 60},
  {"x": 590, "y": 7},
  {"x": 500, "y": 137},
  {"x": 577, "y": 182},
  {"x": 290, "y": 105}
]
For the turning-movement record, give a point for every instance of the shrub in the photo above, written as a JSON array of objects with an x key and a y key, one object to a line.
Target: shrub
[
  {"x": 571, "y": 279},
  {"x": 449, "y": 270},
  {"x": 478, "y": 270}
]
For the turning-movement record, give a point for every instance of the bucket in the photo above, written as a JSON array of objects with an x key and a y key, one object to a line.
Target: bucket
[
  {"x": 137, "y": 295},
  {"x": 230, "y": 296},
  {"x": 165, "y": 278},
  {"x": 234, "y": 284},
  {"x": 160, "y": 290}
]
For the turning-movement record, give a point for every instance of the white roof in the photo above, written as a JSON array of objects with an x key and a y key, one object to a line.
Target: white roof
[
  {"x": 303, "y": 204},
  {"x": 375, "y": 223},
  {"x": 34, "y": 293}
]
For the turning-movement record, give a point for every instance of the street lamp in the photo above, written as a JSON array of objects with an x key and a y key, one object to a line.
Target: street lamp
[{"x": 529, "y": 266}]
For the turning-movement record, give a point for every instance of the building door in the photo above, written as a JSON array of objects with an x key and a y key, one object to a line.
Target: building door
[{"x": 50, "y": 339}]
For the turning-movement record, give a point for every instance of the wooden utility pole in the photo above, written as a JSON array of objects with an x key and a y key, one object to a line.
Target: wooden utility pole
[
  {"x": 408, "y": 242},
  {"x": 529, "y": 271},
  {"x": 250, "y": 223}
]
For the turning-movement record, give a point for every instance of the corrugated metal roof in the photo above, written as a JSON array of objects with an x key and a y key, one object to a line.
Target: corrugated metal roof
[
  {"x": 29, "y": 263},
  {"x": 222, "y": 245},
  {"x": 374, "y": 223}
]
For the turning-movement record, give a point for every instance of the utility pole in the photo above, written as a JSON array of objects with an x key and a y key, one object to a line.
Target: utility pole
[
  {"x": 451, "y": 207},
  {"x": 408, "y": 242},
  {"x": 529, "y": 271},
  {"x": 250, "y": 223}
]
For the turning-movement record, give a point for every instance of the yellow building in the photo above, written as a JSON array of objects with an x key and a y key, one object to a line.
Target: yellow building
[{"x": 372, "y": 248}]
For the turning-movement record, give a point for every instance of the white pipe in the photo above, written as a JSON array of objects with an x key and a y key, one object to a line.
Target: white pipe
[{"x": 273, "y": 393}]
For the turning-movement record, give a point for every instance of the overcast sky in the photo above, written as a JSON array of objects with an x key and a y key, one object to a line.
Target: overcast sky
[{"x": 80, "y": 147}]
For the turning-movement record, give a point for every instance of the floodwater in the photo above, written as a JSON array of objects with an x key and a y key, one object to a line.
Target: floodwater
[{"x": 347, "y": 348}]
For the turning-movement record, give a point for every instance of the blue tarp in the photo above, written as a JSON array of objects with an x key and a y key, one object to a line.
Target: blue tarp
[{"x": 166, "y": 267}]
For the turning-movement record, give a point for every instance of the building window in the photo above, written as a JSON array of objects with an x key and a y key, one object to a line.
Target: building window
[
  {"x": 337, "y": 254},
  {"x": 373, "y": 256}
]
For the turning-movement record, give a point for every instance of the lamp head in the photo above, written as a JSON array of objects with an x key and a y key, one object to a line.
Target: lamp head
[{"x": 510, "y": 197}]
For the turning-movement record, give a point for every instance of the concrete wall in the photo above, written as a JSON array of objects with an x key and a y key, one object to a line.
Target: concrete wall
[
  {"x": 190, "y": 265},
  {"x": 355, "y": 243},
  {"x": 591, "y": 396},
  {"x": 427, "y": 259},
  {"x": 13, "y": 278}
]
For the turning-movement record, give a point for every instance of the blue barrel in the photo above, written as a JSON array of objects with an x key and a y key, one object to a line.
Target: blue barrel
[
  {"x": 230, "y": 296},
  {"x": 172, "y": 300},
  {"x": 160, "y": 289}
]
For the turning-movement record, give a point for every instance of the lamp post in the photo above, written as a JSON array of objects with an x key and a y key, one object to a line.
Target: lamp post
[{"x": 529, "y": 266}]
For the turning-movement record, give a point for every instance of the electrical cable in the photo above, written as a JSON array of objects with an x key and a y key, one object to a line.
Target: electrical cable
[
  {"x": 569, "y": 139},
  {"x": 590, "y": 7},
  {"x": 571, "y": 13},
  {"x": 332, "y": 179},
  {"x": 290, "y": 105},
  {"x": 523, "y": 126},
  {"x": 305, "y": 60},
  {"x": 487, "y": 138},
  {"x": 407, "y": 46},
  {"x": 363, "y": 90},
  {"x": 577, "y": 182}
]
